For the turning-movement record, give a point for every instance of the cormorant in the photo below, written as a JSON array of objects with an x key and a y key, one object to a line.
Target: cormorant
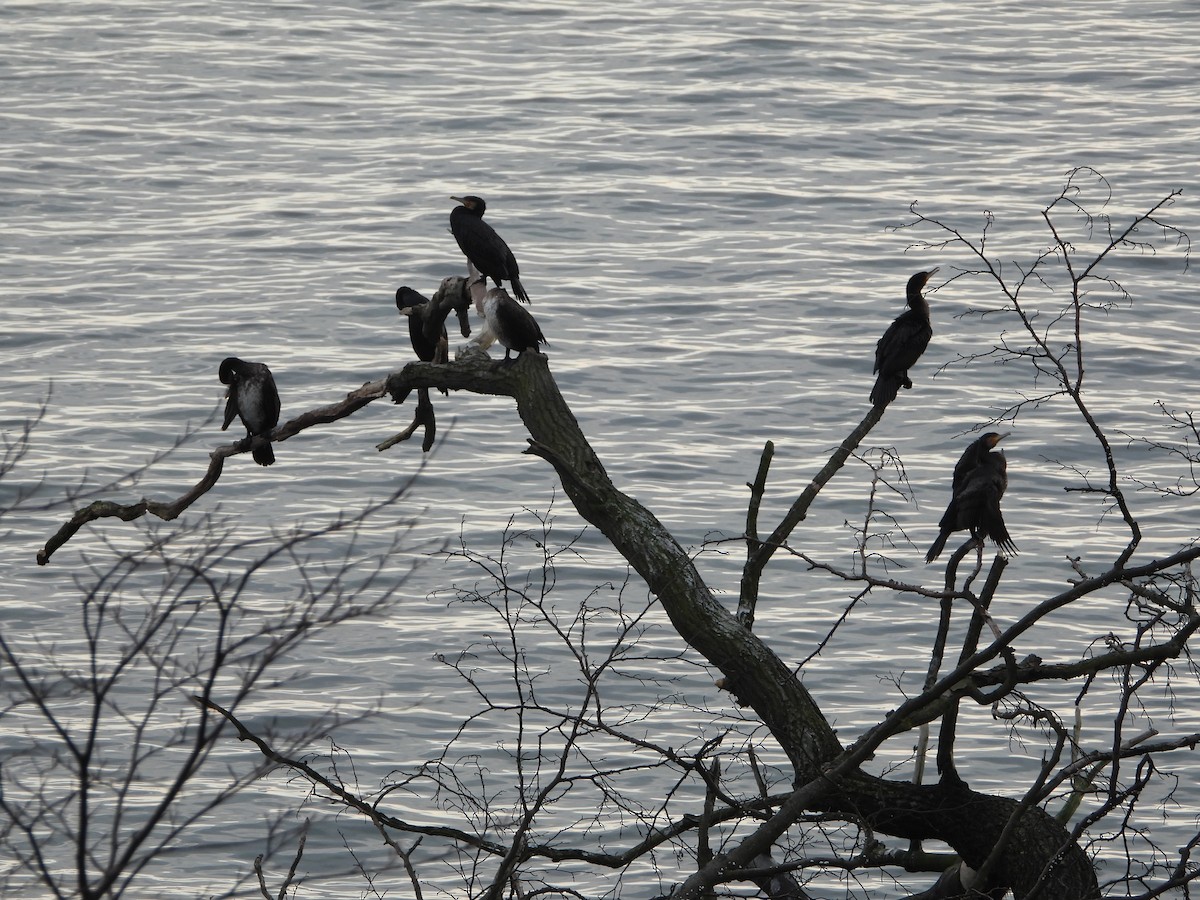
[
  {"x": 903, "y": 343},
  {"x": 426, "y": 346},
  {"x": 429, "y": 339},
  {"x": 511, "y": 323},
  {"x": 980, "y": 478},
  {"x": 482, "y": 246},
  {"x": 254, "y": 398}
]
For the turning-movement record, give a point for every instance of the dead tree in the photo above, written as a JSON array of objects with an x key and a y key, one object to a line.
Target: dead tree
[
  {"x": 1004, "y": 843},
  {"x": 116, "y": 740}
]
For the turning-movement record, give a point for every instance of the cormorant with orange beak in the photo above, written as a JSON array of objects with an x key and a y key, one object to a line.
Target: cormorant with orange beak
[{"x": 482, "y": 246}]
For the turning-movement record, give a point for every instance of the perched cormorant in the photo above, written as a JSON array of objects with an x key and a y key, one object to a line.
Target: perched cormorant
[
  {"x": 511, "y": 323},
  {"x": 424, "y": 345},
  {"x": 903, "y": 343},
  {"x": 482, "y": 246},
  {"x": 254, "y": 398},
  {"x": 429, "y": 339},
  {"x": 980, "y": 477}
]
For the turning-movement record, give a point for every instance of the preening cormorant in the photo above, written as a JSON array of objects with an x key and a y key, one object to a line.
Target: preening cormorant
[
  {"x": 429, "y": 339},
  {"x": 254, "y": 398},
  {"x": 482, "y": 246},
  {"x": 426, "y": 346},
  {"x": 903, "y": 343},
  {"x": 980, "y": 478},
  {"x": 511, "y": 323}
]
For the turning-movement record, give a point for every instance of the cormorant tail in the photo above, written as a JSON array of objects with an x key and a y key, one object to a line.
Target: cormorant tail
[
  {"x": 519, "y": 290},
  {"x": 938, "y": 545},
  {"x": 885, "y": 390},
  {"x": 262, "y": 452}
]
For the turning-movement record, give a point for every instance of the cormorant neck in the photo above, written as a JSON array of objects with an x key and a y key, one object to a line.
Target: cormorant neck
[{"x": 918, "y": 302}]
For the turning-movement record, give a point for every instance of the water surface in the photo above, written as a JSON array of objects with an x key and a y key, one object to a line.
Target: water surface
[{"x": 702, "y": 199}]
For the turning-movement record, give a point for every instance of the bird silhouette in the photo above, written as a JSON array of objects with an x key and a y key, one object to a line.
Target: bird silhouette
[
  {"x": 428, "y": 337},
  {"x": 253, "y": 397},
  {"x": 980, "y": 479},
  {"x": 903, "y": 343},
  {"x": 481, "y": 244}
]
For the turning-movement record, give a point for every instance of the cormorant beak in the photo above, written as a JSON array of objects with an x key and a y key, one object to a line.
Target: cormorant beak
[
  {"x": 998, "y": 438},
  {"x": 931, "y": 273},
  {"x": 459, "y": 199}
]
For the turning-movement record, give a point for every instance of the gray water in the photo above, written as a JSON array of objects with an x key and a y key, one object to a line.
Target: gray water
[{"x": 702, "y": 198}]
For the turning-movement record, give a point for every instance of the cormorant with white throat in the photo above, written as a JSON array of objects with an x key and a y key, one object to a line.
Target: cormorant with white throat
[
  {"x": 253, "y": 397},
  {"x": 482, "y": 246},
  {"x": 903, "y": 343},
  {"x": 511, "y": 323}
]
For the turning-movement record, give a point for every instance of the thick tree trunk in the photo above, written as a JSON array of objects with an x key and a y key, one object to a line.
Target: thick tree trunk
[
  {"x": 827, "y": 776},
  {"x": 972, "y": 824}
]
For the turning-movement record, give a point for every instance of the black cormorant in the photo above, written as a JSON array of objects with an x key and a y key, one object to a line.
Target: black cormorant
[
  {"x": 511, "y": 323},
  {"x": 254, "y": 398},
  {"x": 429, "y": 339},
  {"x": 903, "y": 343},
  {"x": 482, "y": 246},
  {"x": 980, "y": 478},
  {"x": 426, "y": 346}
]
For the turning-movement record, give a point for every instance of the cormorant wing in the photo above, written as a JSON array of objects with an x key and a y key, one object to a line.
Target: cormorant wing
[
  {"x": 231, "y": 405},
  {"x": 903, "y": 342},
  {"x": 518, "y": 325},
  {"x": 271, "y": 402}
]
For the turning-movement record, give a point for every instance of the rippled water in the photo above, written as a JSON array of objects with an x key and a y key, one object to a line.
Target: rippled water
[{"x": 701, "y": 197}]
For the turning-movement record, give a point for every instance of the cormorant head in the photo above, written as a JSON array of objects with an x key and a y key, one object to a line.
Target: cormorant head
[
  {"x": 473, "y": 203},
  {"x": 992, "y": 438},
  {"x": 407, "y": 298},
  {"x": 916, "y": 284},
  {"x": 920, "y": 279},
  {"x": 230, "y": 369}
]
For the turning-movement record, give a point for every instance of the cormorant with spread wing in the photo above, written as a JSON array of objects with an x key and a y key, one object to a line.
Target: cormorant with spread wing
[
  {"x": 482, "y": 246},
  {"x": 253, "y": 397},
  {"x": 903, "y": 343},
  {"x": 980, "y": 478}
]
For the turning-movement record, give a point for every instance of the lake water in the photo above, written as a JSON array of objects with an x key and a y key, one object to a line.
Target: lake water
[{"x": 702, "y": 199}]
